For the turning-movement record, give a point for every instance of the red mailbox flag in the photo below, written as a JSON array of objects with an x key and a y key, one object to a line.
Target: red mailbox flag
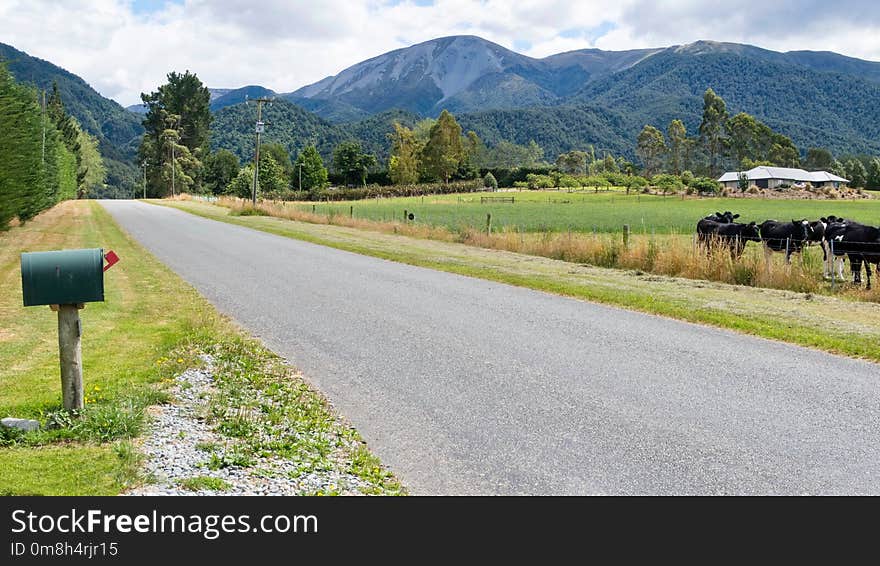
[{"x": 111, "y": 258}]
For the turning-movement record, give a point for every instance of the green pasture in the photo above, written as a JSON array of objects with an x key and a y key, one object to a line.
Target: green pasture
[{"x": 537, "y": 211}]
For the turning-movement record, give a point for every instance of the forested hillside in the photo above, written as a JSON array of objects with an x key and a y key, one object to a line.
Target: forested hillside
[
  {"x": 286, "y": 124},
  {"x": 556, "y": 129},
  {"x": 815, "y": 109}
]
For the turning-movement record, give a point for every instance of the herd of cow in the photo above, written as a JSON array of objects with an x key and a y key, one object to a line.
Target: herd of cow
[{"x": 839, "y": 238}]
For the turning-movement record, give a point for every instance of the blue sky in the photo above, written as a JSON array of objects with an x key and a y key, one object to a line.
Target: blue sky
[
  {"x": 152, "y": 6},
  {"x": 125, "y": 47}
]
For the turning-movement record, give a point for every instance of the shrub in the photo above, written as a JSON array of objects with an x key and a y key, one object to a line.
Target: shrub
[
  {"x": 615, "y": 179},
  {"x": 568, "y": 182},
  {"x": 592, "y": 181},
  {"x": 687, "y": 178},
  {"x": 705, "y": 184},
  {"x": 490, "y": 182},
  {"x": 373, "y": 191},
  {"x": 636, "y": 182},
  {"x": 666, "y": 182},
  {"x": 536, "y": 181}
]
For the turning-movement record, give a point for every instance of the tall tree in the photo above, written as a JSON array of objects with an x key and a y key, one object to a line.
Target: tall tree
[
  {"x": 573, "y": 162},
  {"x": 220, "y": 169},
  {"x": 509, "y": 155},
  {"x": 404, "y": 163},
  {"x": 856, "y": 173},
  {"x": 474, "y": 155},
  {"x": 818, "y": 159},
  {"x": 712, "y": 129},
  {"x": 270, "y": 180},
  {"x": 651, "y": 148},
  {"x": 311, "y": 168},
  {"x": 185, "y": 98},
  {"x": 179, "y": 167},
  {"x": 874, "y": 173},
  {"x": 444, "y": 151},
  {"x": 281, "y": 157},
  {"x": 677, "y": 136},
  {"x": 350, "y": 161},
  {"x": 783, "y": 152},
  {"x": 742, "y": 134},
  {"x": 91, "y": 172}
]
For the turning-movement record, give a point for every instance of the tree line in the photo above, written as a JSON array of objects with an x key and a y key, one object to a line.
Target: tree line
[
  {"x": 739, "y": 143},
  {"x": 176, "y": 158},
  {"x": 46, "y": 155}
]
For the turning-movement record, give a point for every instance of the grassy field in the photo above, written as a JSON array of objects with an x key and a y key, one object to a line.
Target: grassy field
[
  {"x": 674, "y": 255},
  {"x": 828, "y": 323},
  {"x": 151, "y": 327},
  {"x": 537, "y": 211}
]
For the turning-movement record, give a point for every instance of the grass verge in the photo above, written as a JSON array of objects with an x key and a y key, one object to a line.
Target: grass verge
[
  {"x": 828, "y": 323},
  {"x": 151, "y": 327}
]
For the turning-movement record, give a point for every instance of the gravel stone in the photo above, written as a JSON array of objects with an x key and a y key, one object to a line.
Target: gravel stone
[{"x": 174, "y": 447}]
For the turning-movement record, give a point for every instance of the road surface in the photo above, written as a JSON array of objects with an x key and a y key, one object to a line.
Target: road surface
[{"x": 464, "y": 386}]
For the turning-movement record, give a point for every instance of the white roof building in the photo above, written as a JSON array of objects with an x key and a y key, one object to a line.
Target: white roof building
[{"x": 771, "y": 177}]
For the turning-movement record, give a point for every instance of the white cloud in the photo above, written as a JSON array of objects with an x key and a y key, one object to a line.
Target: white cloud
[{"x": 285, "y": 44}]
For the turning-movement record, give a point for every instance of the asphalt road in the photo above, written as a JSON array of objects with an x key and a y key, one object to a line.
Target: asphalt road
[{"x": 464, "y": 386}]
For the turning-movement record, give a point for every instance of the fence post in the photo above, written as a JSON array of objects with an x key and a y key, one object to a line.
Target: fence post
[
  {"x": 351, "y": 211},
  {"x": 488, "y": 224},
  {"x": 313, "y": 209},
  {"x": 405, "y": 215},
  {"x": 787, "y": 243},
  {"x": 625, "y": 235}
]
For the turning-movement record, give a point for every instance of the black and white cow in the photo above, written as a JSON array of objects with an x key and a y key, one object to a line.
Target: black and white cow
[
  {"x": 788, "y": 237},
  {"x": 859, "y": 242},
  {"x": 819, "y": 231},
  {"x": 732, "y": 235}
]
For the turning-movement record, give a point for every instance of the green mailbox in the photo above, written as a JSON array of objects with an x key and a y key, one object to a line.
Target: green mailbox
[{"x": 63, "y": 277}]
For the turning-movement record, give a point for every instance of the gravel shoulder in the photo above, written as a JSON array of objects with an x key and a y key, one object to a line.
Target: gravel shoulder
[{"x": 245, "y": 423}]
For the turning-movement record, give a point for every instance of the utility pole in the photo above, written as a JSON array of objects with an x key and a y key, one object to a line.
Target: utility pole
[
  {"x": 144, "y": 165},
  {"x": 259, "y": 130},
  {"x": 300, "y": 165}
]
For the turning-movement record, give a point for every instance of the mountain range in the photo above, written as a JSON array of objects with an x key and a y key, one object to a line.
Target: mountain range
[
  {"x": 564, "y": 101},
  {"x": 593, "y": 97}
]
